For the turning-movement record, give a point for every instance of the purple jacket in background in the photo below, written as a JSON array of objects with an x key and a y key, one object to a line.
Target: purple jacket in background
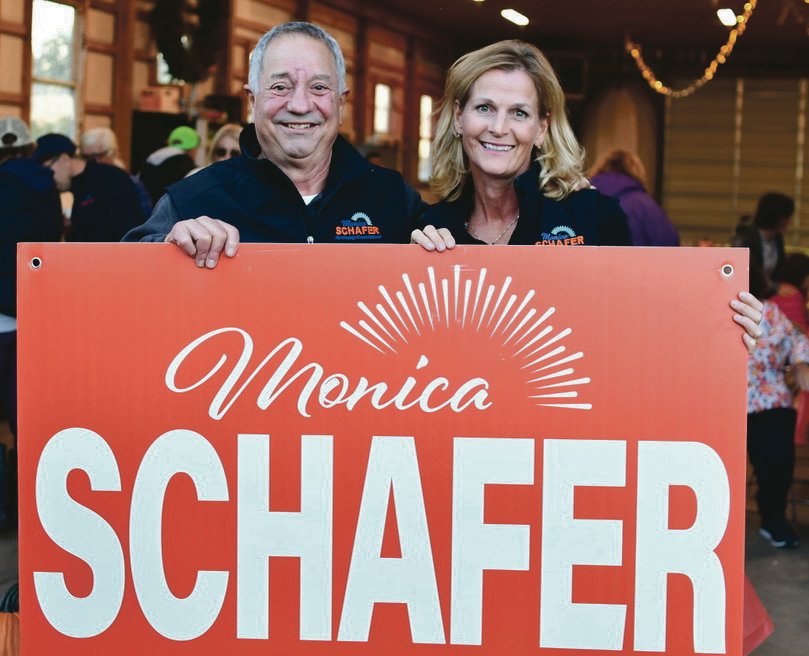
[{"x": 648, "y": 222}]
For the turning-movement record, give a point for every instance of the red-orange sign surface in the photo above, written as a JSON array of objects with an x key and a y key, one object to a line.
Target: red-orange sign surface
[{"x": 364, "y": 450}]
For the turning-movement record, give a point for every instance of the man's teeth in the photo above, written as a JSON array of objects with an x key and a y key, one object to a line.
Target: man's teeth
[
  {"x": 499, "y": 149},
  {"x": 299, "y": 126}
]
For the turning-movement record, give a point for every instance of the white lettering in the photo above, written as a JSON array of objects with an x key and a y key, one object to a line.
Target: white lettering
[
  {"x": 567, "y": 542},
  {"x": 392, "y": 467},
  {"x": 80, "y": 532},
  {"x": 477, "y": 546},
  {"x": 306, "y": 534},
  {"x": 661, "y": 550},
  {"x": 334, "y": 389},
  {"x": 178, "y": 451}
]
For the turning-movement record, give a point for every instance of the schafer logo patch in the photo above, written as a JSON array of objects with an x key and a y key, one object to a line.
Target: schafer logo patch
[
  {"x": 561, "y": 236},
  {"x": 358, "y": 228}
]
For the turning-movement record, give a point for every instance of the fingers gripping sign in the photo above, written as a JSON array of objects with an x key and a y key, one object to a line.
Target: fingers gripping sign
[
  {"x": 433, "y": 239},
  {"x": 205, "y": 239},
  {"x": 748, "y": 315}
]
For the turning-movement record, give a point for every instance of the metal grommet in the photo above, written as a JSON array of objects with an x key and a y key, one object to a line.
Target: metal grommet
[
  {"x": 36, "y": 262},
  {"x": 727, "y": 270}
]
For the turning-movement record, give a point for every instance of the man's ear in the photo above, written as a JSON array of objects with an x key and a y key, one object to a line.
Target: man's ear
[
  {"x": 251, "y": 98},
  {"x": 341, "y": 103}
]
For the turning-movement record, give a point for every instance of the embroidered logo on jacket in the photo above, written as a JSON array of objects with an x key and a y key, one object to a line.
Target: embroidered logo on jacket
[
  {"x": 561, "y": 236},
  {"x": 358, "y": 228}
]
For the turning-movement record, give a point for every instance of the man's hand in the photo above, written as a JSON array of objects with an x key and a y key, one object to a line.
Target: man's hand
[
  {"x": 432, "y": 239},
  {"x": 204, "y": 239}
]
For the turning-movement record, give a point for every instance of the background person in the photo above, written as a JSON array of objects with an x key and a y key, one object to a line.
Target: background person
[
  {"x": 765, "y": 235},
  {"x": 105, "y": 201},
  {"x": 621, "y": 175},
  {"x": 771, "y": 416},
  {"x": 171, "y": 163},
  {"x": 31, "y": 212},
  {"x": 223, "y": 146},
  {"x": 101, "y": 144},
  {"x": 225, "y": 143}
]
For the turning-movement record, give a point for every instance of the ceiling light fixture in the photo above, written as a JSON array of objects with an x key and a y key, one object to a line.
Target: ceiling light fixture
[
  {"x": 727, "y": 17},
  {"x": 515, "y": 17}
]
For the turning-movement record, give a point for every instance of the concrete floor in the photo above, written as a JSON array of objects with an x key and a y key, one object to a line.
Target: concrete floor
[{"x": 781, "y": 578}]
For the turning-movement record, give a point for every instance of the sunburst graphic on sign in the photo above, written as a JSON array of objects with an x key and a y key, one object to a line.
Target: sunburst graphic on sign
[{"x": 469, "y": 302}]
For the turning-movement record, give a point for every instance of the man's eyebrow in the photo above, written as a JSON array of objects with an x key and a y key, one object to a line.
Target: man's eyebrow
[{"x": 286, "y": 76}]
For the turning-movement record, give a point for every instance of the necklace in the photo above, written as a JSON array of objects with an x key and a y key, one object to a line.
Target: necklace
[{"x": 498, "y": 238}]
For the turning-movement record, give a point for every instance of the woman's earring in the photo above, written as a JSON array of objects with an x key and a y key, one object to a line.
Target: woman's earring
[{"x": 457, "y": 135}]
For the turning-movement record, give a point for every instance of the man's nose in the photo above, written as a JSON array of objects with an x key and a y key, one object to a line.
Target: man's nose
[{"x": 299, "y": 101}]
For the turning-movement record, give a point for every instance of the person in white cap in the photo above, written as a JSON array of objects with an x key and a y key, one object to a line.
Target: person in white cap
[{"x": 31, "y": 212}]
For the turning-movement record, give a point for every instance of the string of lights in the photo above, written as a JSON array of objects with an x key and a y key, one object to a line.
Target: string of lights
[{"x": 634, "y": 49}]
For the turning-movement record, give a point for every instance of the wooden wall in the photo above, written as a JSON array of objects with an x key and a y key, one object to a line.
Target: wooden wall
[
  {"x": 15, "y": 55},
  {"x": 118, "y": 61}
]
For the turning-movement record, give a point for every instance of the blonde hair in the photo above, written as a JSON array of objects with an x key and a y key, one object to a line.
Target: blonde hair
[
  {"x": 560, "y": 156},
  {"x": 621, "y": 161},
  {"x": 232, "y": 130}
]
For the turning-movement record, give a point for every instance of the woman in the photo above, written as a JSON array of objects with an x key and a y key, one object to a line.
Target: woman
[
  {"x": 621, "y": 175},
  {"x": 223, "y": 146},
  {"x": 225, "y": 143},
  {"x": 770, "y": 413},
  {"x": 509, "y": 169}
]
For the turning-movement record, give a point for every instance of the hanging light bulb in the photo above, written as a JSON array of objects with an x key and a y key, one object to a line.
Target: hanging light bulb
[{"x": 739, "y": 26}]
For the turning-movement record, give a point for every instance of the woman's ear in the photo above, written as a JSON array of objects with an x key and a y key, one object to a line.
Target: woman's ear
[
  {"x": 542, "y": 132},
  {"x": 456, "y": 121}
]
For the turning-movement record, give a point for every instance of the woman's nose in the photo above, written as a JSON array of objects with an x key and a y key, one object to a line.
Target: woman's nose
[{"x": 497, "y": 124}]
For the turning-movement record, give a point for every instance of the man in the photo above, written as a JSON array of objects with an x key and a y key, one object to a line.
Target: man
[
  {"x": 105, "y": 202},
  {"x": 31, "y": 212},
  {"x": 296, "y": 180},
  {"x": 171, "y": 163}
]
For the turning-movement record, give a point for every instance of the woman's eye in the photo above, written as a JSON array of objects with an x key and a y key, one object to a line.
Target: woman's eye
[
  {"x": 482, "y": 108},
  {"x": 521, "y": 114}
]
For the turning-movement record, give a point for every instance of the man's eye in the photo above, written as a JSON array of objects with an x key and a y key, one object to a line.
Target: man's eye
[
  {"x": 320, "y": 88},
  {"x": 279, "y": 88}
]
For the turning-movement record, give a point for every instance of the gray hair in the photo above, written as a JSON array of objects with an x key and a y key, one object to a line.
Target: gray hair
[{"x": 297, "y": 27}]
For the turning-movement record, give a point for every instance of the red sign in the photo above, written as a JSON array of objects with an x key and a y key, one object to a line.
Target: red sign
[{"x": 377, "y": 450}]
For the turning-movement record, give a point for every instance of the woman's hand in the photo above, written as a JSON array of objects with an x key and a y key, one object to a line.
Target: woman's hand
[
  {"x": 433, "y": 239},
  {"x": 748, "y": 315}
]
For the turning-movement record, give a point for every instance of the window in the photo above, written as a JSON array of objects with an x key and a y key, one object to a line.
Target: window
[
  {"x": 53, "y": 86},
  {"x": 381, "y": 109},
  {"x": 162, "y": 73},
  {"x": 425, "y": 137}
]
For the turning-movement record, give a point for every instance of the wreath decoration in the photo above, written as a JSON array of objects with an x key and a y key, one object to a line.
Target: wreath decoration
[{"x": 190, "y": 47}]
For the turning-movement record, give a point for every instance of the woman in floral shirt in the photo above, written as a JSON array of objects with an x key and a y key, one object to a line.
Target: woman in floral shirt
[{"x": 771, "y": 414}]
